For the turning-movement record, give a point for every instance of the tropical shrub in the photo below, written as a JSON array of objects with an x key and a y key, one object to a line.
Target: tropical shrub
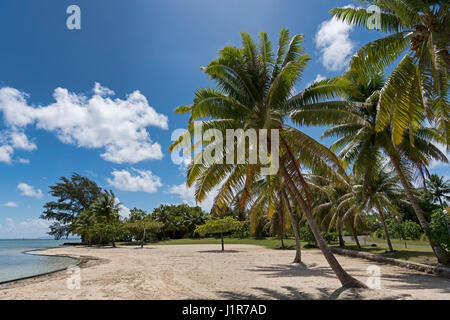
[
  {"x": 439, "y": 228},
  {"x": 307, "y": 235}
]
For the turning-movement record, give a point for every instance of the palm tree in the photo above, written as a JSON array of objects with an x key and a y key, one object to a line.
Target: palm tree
[
  {"x": 439, "y": 188},
  {"x": 354, "y": 122},
  {"x": 420, "y": 82},
  {"x": 379, "y": 192},
  {"x": 107, "y": 208},
  {"x": 255, "y": 91},
  {"x": 270, "y": 196}
]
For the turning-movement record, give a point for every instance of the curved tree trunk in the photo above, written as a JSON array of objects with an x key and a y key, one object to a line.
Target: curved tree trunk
[
  {"x": 440, "y": 253},
  {"x": 355, "y": 236},
  {"x": 298, "y": 248},
  {"x": 345, "y": 279},
  {"x": 383, "y": 221}
]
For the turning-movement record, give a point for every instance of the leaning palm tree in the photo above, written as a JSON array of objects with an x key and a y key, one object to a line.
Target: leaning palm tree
[
  {"x": 255, "y": 89},
  {"x": 359, "y": 143},
  {"x": 439, "y": 188},
  {"x": 420, "y": 82}
]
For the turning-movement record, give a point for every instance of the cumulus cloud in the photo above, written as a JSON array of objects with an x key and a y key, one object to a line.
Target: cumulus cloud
[
  {"x": 135, "y": 180},
  {"x": 117, "y": 126},
  {"x": 6, "y": 153},
  {"x": 29, "y": 191},
  {"x": 11, "y": 204},
  {"x": 333, "y": 40},
  {"x": 187, "y": 195},
  {"x": 438, "y": 164},
  {"x": 28, "y": 228}
]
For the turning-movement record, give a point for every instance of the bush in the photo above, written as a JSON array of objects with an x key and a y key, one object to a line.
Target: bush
[
  {"x": 307, "y": 235},
  {"x": 411, "y": 230},
  {"x": 330, "y": 236},
  {"x": 378, "y": 234},
  {"x": 439, "y": 228}
]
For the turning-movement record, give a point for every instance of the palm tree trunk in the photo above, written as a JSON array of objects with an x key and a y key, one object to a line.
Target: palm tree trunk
[
  {"x": 221, "y": 238},
  {"x": 345, "y": 279},
  {"x": 355, "y": 236},
  {"x": 143, "y": 239},
  {"x": 383, "y": 222},
  {"x": 282, "y": 242},
  {"x": 339, "y": 230},
  {"x": 439, "y": 252},
  {"x": 298, "y": 248}
]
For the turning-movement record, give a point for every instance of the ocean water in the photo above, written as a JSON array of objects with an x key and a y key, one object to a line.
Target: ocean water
[{"x": 15, "y": 264}]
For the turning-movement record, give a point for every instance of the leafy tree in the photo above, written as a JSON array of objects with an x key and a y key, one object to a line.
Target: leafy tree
[
  {"x": 440, "y": 227},
  {"x": 255, "y": 87},
  {"x": 419, "y": 84},
  {"x": 411, "y": 230},
  {"x": 178, "y": 219},
  {"x": 140, "y": 223},
  {"x": 74, "y": 196},
  {"x": 439, "y": 189},
  {"x": 219, "y": 226}
]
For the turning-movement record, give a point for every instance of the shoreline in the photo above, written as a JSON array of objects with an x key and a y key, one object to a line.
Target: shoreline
[{"x": 29, "y": 252}]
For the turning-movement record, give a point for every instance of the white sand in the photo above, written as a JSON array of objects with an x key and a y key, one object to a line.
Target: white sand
[{"x": 202, "y": 272}]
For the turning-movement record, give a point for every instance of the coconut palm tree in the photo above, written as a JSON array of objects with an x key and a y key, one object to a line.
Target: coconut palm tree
[
  {"x": 376, "y": 192},
  {"x": 255, "y": 90},
  {"x": 107, "y": 208},
  {"x": 439, "y": 188},
  {"x": 359, "y": 143},
  {"x": 420, "y": 81},
  {"x": 269, "y": 196}
]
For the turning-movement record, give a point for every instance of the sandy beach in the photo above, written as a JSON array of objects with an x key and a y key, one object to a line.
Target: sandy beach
[{"x": 203, "y": 272}]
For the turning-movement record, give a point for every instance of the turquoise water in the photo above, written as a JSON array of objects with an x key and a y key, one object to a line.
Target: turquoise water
[{"x": 15, "y": 264}]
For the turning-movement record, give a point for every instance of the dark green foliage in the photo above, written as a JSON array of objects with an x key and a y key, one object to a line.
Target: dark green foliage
[
  {"x": 439, "y": 228},
  {"x": 307, "y": 235},
  {"x": 178, "y": 220},
  {"x": 73, "y": 196}
]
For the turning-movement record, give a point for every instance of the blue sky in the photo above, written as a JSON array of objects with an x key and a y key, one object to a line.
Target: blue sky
[{"x": 132, "y": 63}]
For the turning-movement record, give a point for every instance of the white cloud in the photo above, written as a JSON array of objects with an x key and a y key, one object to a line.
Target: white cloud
[
  {"x": 117, "y": 126},
  {"x": 29, "y": 191},
  {"x": 28, "y": 228},
  {"x": 6, "y": 153},
  {"x": 318, "y": 78},
  {"x": 438, "y": 164},
  {"x": 23, "y": 161},
  {"x": 137, "y": 180},
  {"x": 333, "y": 40},
  {"x": 20, "y": 141},
  {"x": 124, "y": 211},
  {"x": 187, "y": 195},
  {"x": 11, "y": 204}
]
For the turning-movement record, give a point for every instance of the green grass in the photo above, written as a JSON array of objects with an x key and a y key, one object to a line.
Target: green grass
[
  {"x": 419, "y": 255},
  {"x": 400, "y": 241},
  {"x": 271, "y": 243},
  {"x": 425, "y": 256}
]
